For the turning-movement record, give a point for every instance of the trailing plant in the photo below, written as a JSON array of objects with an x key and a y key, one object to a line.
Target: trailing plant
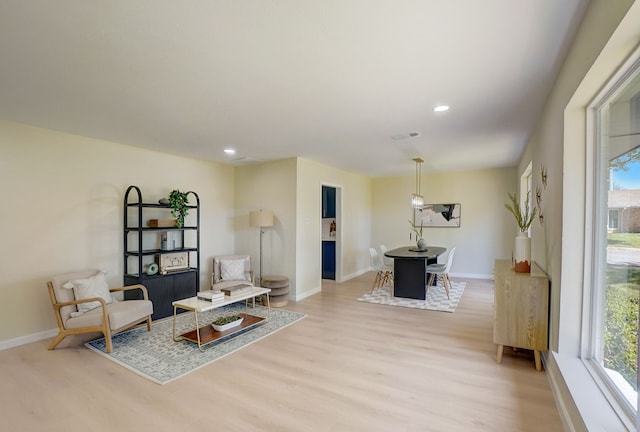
[
  {"x": 416, "y": 229},
  {"x": 524, "y": 219},
  {"x": 226, "y": 319},
  {"x": 179, "y": 207}
]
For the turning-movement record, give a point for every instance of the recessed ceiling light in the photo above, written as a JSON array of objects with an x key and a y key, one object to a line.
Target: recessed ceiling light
[
  {"x": 229, "y": 151},
  {"x": 441, "y": 108}
]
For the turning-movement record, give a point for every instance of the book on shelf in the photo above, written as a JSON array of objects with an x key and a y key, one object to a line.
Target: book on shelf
[
  {"x": 237, "y": 289},
  {"x": 210, "y": 295}
]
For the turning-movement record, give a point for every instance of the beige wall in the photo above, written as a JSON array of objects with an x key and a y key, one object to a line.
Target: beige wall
[
  {"x": 546, "y": 148},
  {"x": 486, "y": 231},
  {"x": 559, "y": 144},
  {"x": 268, "y": 186},
  {"x": 62, "y": 211},
  {"x": 354, "y": 229},
  {"x": 292, "y": 189}
]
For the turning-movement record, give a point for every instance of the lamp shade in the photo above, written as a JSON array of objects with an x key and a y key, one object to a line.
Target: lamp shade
[{"x": 261, "y": 218}]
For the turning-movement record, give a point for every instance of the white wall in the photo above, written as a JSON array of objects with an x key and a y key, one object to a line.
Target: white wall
[
  {"x": 63, "y": 207},
  {"x": 486, "y": 231}
]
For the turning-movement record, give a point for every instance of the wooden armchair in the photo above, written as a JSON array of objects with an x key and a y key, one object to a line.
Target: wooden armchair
[{"x": 82, "y": 303}]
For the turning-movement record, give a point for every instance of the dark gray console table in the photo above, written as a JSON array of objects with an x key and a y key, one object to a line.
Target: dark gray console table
[{"x": 409, "y": 270}]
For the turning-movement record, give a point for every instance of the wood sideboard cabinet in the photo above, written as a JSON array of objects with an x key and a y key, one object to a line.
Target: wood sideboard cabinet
[{"x": 521, "y": 310}]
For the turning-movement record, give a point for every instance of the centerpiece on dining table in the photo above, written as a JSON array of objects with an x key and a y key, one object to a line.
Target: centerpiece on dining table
[{"x": 421, "y": 243}]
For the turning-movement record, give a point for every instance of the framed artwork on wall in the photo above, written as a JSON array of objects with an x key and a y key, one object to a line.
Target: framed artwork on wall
[{"x": 437, "y": 215}]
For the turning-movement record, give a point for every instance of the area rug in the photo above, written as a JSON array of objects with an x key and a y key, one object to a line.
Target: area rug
[
  {"x": 155, "y": 356},
  {"x": 436, "y": 299}
]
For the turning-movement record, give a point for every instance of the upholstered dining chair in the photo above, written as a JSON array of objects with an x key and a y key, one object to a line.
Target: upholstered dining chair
[
  {"x": 82, "y": 303},
  {"x": 441, "y": 270},
  {"x": 384, "y": 274}
]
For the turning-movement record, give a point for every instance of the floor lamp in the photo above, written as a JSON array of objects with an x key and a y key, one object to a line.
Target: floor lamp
[{"x": 261, "y": 219}]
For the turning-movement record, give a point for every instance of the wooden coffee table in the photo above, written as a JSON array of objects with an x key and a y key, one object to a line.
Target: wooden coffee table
[{"x": 206, "y": 334}]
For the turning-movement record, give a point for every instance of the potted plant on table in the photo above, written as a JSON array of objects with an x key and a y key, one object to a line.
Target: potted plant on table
[
  {"x": 524, "y": 219},
  {"x": 226, "y": 322},
  {"x": 420, "y": 242}
]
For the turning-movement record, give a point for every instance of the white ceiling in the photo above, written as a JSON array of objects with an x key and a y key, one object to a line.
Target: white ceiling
[{"x": 328, "y": 80}]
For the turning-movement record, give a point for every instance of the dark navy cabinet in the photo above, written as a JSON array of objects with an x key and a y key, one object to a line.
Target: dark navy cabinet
[
  {"x": 328, "y": 202},
  {"x": 329, "y": 260}
]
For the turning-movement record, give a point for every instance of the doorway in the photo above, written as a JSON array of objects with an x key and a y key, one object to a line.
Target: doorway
[{"x": 330, "y": 216}]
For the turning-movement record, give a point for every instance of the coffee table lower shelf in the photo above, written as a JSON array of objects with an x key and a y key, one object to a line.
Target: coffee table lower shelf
[{"x": 208, "y": 335}]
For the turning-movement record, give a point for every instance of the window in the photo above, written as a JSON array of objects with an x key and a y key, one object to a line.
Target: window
[
  {"x": 613, "y": 219},
  {"x": 615, "y": 259}
]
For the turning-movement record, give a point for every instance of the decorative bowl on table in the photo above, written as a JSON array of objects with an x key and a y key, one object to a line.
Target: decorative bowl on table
[{"x": 226, "y": 322}]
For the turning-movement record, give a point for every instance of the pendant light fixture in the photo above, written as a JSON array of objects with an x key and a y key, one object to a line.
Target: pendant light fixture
[{"x": 417, "y": 200}]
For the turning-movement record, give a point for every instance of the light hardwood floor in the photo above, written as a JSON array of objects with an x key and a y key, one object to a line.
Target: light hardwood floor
[{"x": 348, "y": 366}]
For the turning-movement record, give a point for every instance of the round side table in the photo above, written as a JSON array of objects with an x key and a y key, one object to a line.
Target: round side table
[{"x": 279, "y": 295}]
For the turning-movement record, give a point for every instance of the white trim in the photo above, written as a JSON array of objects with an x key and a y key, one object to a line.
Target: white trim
[
  {"x": 593, "y": 408},
  {"x": 472, "y": 275},
  {"x": 23, "y": 340},
  {"x": 595, "y": 241},
  {"x": 306, "y": 294},
  {"x": 355, "y": 274}
]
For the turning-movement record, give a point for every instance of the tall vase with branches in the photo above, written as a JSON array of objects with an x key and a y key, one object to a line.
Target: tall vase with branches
[
  {"x": 420, "y": 241},
  {"x": 524, "y": 218}
]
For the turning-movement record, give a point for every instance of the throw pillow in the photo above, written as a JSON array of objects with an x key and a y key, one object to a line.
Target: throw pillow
[
  {"x": 95, "y": 286},
  {"x": 232, "y": 270}
]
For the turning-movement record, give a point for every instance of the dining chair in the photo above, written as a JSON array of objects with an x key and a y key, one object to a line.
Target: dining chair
[
  {"x": 383, "y": 274},
  {"x": 385, "y": 259},
  {"x": 443, "y": 271}
]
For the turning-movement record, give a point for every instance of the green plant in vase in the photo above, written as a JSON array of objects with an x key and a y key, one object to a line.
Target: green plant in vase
[
  {"x": 522, "y": 246},
  {"x": 179, "y": 206},
  {"x": 524, "y": 219},
  {"x": 420, "y": 241}
]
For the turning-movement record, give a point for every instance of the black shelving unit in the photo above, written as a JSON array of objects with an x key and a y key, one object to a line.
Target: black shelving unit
[{"x": 140, "y": 249}]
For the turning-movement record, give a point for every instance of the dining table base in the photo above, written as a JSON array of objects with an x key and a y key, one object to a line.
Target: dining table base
[
  {"x": 410, "y": 278},
  {"x": 409, "y": 270}
]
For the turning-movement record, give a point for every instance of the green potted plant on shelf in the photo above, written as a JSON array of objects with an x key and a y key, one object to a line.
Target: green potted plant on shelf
[
  {"x": 179, "y": 206},
  {"x": 226, "y": 322}
]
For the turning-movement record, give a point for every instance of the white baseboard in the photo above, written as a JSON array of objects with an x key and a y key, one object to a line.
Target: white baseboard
[
  {"x": 355, "y": 274},
  {"x": 472, "y": 275},
  {"x": 47, "y": 334},
  {"x": 306, "y": 294},
  {"x": 22, "y": 340},
  {"x": 554, "y": 376}
]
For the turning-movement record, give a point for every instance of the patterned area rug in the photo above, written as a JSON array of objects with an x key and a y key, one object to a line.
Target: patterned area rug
[
  {"x": 155, "y": 356},
  {"x": 436, "y": 298}
]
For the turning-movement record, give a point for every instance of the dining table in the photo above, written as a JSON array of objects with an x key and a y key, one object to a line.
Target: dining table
[{"x": 409, "y": 269}]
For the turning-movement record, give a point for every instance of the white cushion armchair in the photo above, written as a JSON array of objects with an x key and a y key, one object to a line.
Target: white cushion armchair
[
  {"x": 82, "y": 303},
  {"x": 229, "y": 270}
]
